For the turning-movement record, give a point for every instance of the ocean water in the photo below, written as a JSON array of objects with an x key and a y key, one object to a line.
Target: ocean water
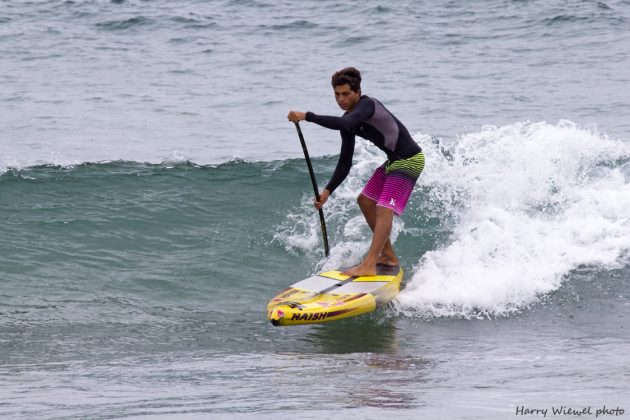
[{"x": 153, "y": 198}]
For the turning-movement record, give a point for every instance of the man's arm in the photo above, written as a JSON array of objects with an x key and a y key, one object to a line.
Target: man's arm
[
  {"x": 349, "y": 121},
  {"x": 344, "y": 163}
]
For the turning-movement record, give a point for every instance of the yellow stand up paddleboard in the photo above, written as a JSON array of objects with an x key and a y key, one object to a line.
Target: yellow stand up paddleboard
[{"x": 330, "y": 296}]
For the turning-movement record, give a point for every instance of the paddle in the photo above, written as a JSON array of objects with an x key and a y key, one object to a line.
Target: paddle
[{"x": 322, "y": 222}]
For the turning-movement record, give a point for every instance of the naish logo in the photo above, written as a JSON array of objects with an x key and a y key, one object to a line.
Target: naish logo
[
  {"x": 318, "y": 316},
  {"x": 392, "y": 202},
  {"x": 309, "y": 317}
]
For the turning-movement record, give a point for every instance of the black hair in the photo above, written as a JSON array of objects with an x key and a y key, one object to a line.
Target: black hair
[{"x": 348, "y": 76}]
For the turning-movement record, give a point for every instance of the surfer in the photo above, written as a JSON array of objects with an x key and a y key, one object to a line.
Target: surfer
[{"x": 389, "y": 188}]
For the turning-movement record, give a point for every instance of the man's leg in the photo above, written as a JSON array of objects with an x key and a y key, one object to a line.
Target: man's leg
[
  {"x": 368, "y": 208},
  {"x": 382, "y": 229},
  {"x": 386, "y": 193}
]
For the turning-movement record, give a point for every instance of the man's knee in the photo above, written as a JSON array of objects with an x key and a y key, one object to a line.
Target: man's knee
[
  {"x": 364, "y": 200},
  {"x": 384, "y": 211}
]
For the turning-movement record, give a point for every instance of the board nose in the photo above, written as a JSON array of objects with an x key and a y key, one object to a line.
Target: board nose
[{"x": 275, "y": 315}]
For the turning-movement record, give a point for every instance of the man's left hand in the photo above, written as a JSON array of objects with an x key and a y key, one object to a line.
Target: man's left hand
[{"x": 323, "y": 197}]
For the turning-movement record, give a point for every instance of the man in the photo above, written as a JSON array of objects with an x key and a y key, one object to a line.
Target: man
[{"x": 389, "y": 188}]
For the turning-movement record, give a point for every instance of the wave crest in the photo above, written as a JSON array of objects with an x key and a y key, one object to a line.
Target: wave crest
[{"x": 530, "y": 202}]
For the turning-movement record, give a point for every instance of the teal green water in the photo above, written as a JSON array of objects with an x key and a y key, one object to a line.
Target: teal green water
[
  {"x": 140, "y": 290},
  {"x": 125, "y": 242},
  {"x": 151, "y": 249}
]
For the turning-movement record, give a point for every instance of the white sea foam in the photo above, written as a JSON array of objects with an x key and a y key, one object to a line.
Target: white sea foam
[
  {"x": 531, "y": 202},
  {"x": 347, "y": 231}
]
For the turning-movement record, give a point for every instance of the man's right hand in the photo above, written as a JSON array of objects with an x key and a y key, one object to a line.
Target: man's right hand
[{"x": 296, "y": 116}]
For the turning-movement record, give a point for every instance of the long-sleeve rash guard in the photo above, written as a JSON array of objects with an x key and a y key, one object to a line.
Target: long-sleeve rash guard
[{"x": 372, "y": 121}]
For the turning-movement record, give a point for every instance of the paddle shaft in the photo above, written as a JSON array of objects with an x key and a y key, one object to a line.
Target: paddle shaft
[{"x": 322, "y": 222}]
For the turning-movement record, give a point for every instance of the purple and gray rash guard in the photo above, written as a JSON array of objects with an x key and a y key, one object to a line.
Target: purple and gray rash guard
[{"x": 372, "y": 121}]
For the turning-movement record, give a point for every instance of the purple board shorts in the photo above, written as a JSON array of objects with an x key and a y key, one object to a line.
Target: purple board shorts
[{"x": 392, "y": 183}]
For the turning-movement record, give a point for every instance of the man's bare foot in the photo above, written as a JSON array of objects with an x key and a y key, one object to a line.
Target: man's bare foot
[
  {"x": 362, "y": 269},
  {"x": 388, "y": 261}
]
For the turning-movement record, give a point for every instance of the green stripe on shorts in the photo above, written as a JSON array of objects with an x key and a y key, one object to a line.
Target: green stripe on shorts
[{"x": 412, "y": 166}]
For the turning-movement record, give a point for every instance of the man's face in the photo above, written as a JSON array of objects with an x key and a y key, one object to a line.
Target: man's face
[{"x": 346, "y": 98}]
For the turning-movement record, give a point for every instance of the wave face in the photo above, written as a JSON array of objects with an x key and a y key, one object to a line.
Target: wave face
[{"x": 500, "y": 219}]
